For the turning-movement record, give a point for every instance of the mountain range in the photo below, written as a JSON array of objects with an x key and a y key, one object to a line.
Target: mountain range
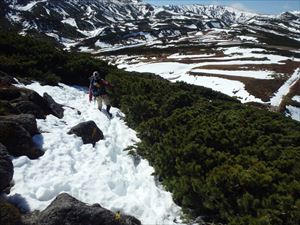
[{"x": 101, "y": 24}]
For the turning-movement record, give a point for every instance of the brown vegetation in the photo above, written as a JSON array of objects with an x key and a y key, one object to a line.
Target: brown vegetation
[{"x": 288, "y": 67}]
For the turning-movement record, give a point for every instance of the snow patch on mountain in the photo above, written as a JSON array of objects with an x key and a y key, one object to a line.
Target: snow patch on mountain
[
  {"x": 293, "y": 112},
  {"x": 285, "y": 88},
  {"x": 70, "y": 21},
  {"x": 296, "y": 98},
  {"x": 29, "y": 6}
]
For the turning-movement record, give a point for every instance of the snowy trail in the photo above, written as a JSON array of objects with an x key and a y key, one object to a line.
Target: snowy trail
[
  {"x": 285, "y": 88},
  {"x": 103, "y": 174}
]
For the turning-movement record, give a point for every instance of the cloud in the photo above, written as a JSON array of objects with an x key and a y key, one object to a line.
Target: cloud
[{"x": 240, "y": 6}]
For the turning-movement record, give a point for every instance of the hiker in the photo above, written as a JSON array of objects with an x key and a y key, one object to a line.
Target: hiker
[{"x": 98, "y": 89}]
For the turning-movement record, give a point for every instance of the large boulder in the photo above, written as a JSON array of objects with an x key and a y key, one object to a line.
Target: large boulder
[
  {"x": 69, "y": 211},
  {"x": 9, "y": 93},
  {"x": 6, "y": 108},
  {"x": 56, "y": 109},
  {"x": 18, "y": 140},
  {"x": 39, "y": 101},
  {"x": 6, "y": 169},
  {"x": 5, "y": 79},
  {"x": 88, "y": 131},
  {"x": 28, "y": 107},
  {"x": 28, "y": 121},
  {"x": 9, "y": 214}
]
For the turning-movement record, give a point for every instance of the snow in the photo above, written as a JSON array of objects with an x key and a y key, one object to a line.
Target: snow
[
  {"x": 103, "y": 174},
  {"x": 257, "y": 74},
  {"x": 178, "y": 56},
  {"x": 29, "y": 6},
  {"x": 296, "y": 98},
  {"x": 174, "y": 71},
  {"x": 13, "y": 17},
  {"x": 70, "y": 21},
  {"x": 293, "y": 112},
  {"x": 53, "y": 35},
  {"x": 248, "y": 38},
  {"x": 92, "y": 33},
  {"x": 100, "y": 44},
  {"x": 192, "y": 26},
  {"x": 285, "y": 88}
]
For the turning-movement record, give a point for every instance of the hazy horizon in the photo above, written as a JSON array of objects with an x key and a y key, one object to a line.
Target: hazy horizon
[{"x": 257, "y": 6}]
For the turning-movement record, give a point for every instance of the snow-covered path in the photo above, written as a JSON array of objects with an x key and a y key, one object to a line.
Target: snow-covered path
[{"x": 103, "y": 174}]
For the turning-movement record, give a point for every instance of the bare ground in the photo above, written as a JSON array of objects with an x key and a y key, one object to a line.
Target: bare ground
[{"x": 288, "y": 67}]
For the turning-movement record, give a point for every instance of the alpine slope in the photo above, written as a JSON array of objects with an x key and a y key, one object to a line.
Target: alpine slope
[{"x": 104, "y": 174}]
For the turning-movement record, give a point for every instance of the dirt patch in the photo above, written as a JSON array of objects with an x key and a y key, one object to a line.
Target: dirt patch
[
  {"x": 260, "y": 88},
  {"x": 288, "y": 67}
]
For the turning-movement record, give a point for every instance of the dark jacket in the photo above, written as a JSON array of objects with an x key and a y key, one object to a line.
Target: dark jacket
[{"x": 98, "y": 86}]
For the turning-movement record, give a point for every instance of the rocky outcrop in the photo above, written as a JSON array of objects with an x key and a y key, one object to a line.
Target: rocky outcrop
[
  {"x": 26, "y": 101},
  {"x": 88, "y": 131},
  {"x": 6, "y": 80},
  {"x": 9, "y": 214},
  {"x": 28, "y": 107},
  {"x": 6, "y": 169},
  {"x": 9, "y": 93},
  {"x": 28, "y": 121},
  {"x": 56, "y": 109},
  {"x": 67, "y": 210},
  {"x": 18, "y": 140},
  {"x": 7, "y": 109}
]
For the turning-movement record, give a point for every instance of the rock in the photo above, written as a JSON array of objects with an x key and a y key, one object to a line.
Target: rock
[
  {"x": 67, "y": 210},
  {"x": 6, "y": 108},
  {"x": 17, "y": 140},
  {"x": 57, "y": 109},
  {"x": 88, "y": 131},
  {"x": 6, "y": 169},
  {"x": 39, "y": 101},
  {"x": 28, "y": 121},
  {"x": 6, "y": 79},
  {"x": 9, "y": 214},
  {"x": 28, "y": 107},
  {"x": 9, "y": 93}
]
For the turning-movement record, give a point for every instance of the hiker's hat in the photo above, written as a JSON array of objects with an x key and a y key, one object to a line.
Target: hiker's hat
[{"x": 95, "y": 73}]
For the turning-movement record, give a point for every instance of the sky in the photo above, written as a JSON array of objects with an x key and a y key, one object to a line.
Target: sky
[{"x": 257, "y": 6}]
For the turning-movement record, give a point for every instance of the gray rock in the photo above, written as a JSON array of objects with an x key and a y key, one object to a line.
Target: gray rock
[
  {"x": 28, "y": 121},
  {"x": 17, "y": 140},
  {"x": 57, "y": 109},
  {"x": 9, "y": 93},
  {"x": 39, "y": 101},
  {"x": 69, "y": 211},
  {"x": 88, "y": 131},
  {"x": 6, "y": 169},
  {"x": 6, "y": 79},
  {"x": 28, "y": 107},
  {"x": 6, "y": 108}
]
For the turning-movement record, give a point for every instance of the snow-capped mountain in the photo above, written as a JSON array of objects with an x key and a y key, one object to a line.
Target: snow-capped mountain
[
  {"x": 99, "y": 24},
  {"x": 114, "y": 21}
]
